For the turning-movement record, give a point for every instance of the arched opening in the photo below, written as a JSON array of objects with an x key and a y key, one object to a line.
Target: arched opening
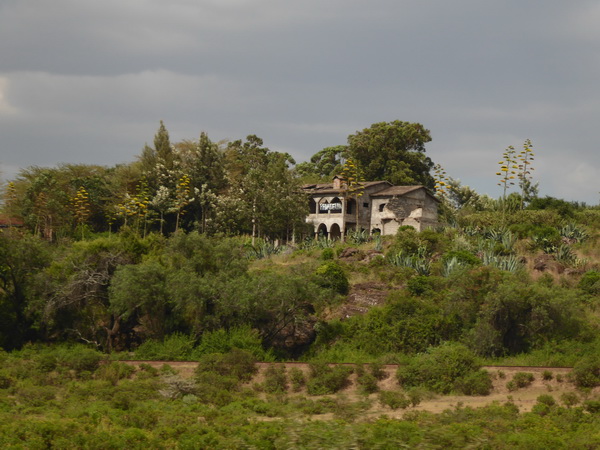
[
  {"x": 335, "y": 206},
  {"x": 312, "y": 206},
  {"x": 335, "y": 232},
  {"x": 382, "y": 206},
  {"x": 323, "y": 206},
  {"x": 322, "y": 231},
  {"x": 376, "y": 231}
]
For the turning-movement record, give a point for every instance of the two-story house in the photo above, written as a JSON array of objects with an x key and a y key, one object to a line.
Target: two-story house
[{"x": 381, "y": 208}]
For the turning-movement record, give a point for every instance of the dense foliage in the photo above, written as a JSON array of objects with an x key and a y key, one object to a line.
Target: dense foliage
[{"x": 187, "y": 254}]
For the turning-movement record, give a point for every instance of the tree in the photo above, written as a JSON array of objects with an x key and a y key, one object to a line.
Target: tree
[
  {"x": 21, "y": 258},
  {"x": 259, "y": 187},
  {"x": 324, "y": 164},
  {"x": 393, "y": 151},
  {"x": 81, "y": 208}
]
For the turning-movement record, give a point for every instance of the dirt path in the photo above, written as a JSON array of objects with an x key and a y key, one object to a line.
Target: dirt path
[{"x": 524, "y": 398}]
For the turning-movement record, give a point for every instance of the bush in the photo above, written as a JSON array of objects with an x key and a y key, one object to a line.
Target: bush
[
  {"x": 394, "y": 399},
  {"x": 592, "y": 406},
  {"x": 547, "y": 375},
  {"x": 6, "y": 380},
  {"x": 275, "y": 379},
  {"x": 238, "y": 364},
  {"x": 297, "y": 379},
  {"x": 586, "y": 373},
  {"x": 367, "y": 383},
  {"x": 331, "y": 275},
  {"x": 520, "y": 380},
  {"x": 176, "y": 347},
  {"x": 327, "y": 254},
  {"x": 419, "y": 285},
  {"x": 545, "y": 404},
  {"x": 327, "y": 380},
  {"x": 115, "y": 371},
  {"x": 569, "y": 399},
  {"x": 590, "y": 282},
  {"x": 440, "y": 368},
  {"x": 222, "y": 341},
  {"x": 475, "y": 383}
]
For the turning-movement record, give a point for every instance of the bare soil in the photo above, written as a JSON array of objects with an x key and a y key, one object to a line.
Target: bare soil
[{"x": 524, "y": 398}]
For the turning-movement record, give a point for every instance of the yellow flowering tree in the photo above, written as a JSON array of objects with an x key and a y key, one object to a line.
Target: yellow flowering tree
[
  {"x": 183, "y": 197},
  {"x": 354, "y": 183},
  {"x": 442, "y": 182},
  {"x": 525, "y": 159},
  {"x": 81, "y": 208}
]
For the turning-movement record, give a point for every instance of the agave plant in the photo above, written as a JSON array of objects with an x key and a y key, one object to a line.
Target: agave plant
[
  {"x": 417, "y": 262},
  {"x": 263, "y": 249},
  {"x": 574, "y": 232},
  {"x": 565, "y": 255},
  {"x": 358, "y": 237},
  {"x": 510, "y": 263},
  {"x": 452, "y": 265}
]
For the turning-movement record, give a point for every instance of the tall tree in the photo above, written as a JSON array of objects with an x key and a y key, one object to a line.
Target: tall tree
[
  {"x": 259, "y": 180},
  {"x": 393, "y": 151},
  {"x": 324, "y": 164}
]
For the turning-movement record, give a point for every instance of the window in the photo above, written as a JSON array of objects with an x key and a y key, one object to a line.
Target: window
[
  {"x": 365, "y": 205},
  {"x": 382, "y": 206}
]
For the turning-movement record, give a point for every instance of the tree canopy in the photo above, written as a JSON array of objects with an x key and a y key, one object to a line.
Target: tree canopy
[{"x": 393, "y": 151}]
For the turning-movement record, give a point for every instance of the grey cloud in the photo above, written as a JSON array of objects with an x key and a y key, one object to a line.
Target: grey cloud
[{"x": 89, "y": 81}]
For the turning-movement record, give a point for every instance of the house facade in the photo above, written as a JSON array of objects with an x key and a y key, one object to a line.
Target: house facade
[{"x": 382, "y": 208}]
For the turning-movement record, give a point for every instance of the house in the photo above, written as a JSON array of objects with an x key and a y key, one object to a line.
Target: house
[
  {"x": 7, "y": 221},
  {"x": 382, "y": 208}
]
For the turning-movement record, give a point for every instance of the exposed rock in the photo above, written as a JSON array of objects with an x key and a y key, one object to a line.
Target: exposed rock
[
  {"x": 547, "y": 262},
  {"x": 296, "y": 336},
  {"x": 351, "y": 253},
  {"x": 362, "y": 297}
]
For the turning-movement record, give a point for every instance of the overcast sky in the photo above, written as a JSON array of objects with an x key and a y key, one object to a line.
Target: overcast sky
[{"x": 87, "y": 81}]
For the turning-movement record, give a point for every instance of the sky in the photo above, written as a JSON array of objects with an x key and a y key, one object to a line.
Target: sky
[{"x": 84, "y": 81}]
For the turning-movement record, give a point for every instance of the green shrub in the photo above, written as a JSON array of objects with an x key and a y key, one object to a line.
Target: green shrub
[
  {"x": 416, "y": 395},
  {"x": 325, "y": 379},
  {"x": 475, "y": 383},
  {"x": 394, "y": 399},
  {"x": 547, "y": 375},
  {"x": 592, "y": 406},
  {"x": 327, "y": 254},
  {"x": 114, "y": 371},
  {"x": 6, "y": 380},
  {"x": 520, "y": 380},
  {"x": 237, "y": 363},
  {"x": 419, "y": 285},
  {"x": 569, "y": 399},
  {"x": 546, "y": 399},
  {"x": 368, "y": 383},
  {"x": 33, "y": 395},
  {"x": 176, "y": 347},
  {"x": 377, "y": 371},
  {"x": 222, "y": 341},
  {"x": 332, "y": 276},
  {"x": 545, "y": 404},
  {"x": 297, "y": 379},
  {"x": 439, "y": 369},
  {"x": 586, "y": 373},
  {"x": 590, "y": 282},
  {"x": 275, "y": 379}
]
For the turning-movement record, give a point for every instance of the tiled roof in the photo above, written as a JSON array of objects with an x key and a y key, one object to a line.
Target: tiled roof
[
  {"x": 397, "y": 190},
  {"x": 327, "y": 188}
]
